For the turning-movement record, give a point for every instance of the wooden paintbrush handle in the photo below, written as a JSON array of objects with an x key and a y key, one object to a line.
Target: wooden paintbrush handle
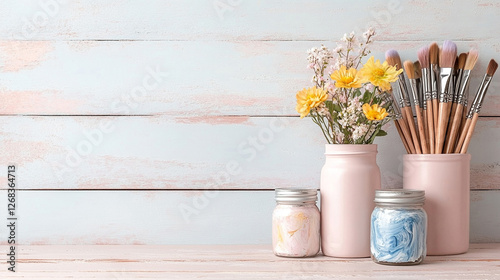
[
  {"x": 421, "y": 130},
  {"x": 426, "y": 128},
  {"x": 454, "y": 110},
  {"x": 411, "y": 124},
  {"x": 441, "y": 128},
  {"x": 430, "y": 125},
  {"x": 464, "y": 116},
  {"x": 407, "y": 135},
  {"x": 447, "y": 141},
  {"x": 463, "y": 133},
  {"x": 402, "y": 136},
  {"x": 454, "y": 127},
  {"x": 469, "y": 133},
  {"x": 435, "y": 111}
]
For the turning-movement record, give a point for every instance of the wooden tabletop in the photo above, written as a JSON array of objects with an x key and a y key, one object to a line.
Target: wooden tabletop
[{"x": 232, "y": 262}]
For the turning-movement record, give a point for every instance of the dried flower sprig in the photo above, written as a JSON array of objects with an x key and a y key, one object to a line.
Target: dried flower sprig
[{"x": 349, "y": 105}]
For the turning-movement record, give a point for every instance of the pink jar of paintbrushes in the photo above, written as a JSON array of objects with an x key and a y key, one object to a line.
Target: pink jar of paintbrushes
[{"x": 445, "y": 178}]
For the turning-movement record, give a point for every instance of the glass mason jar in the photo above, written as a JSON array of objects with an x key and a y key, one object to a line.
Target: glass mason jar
[
  {"x": 296, "y": 223},
  {"x": 398, "y": 227}
]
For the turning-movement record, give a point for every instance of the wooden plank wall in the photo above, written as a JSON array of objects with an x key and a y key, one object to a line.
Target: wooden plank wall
[{"x": 170, "y": 122}]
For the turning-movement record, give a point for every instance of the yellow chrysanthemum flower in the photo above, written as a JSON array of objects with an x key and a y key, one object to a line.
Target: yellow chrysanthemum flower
[
  {"x": 380, "y": 75},
  {"x": 345, "y": 78},
  {"x": 309, "y": 98},
  {"x": 374, "y": 112}
]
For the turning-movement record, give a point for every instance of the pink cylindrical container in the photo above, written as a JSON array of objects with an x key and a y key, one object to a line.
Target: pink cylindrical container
[
  {"x": 349, "y": 179},
  {"x": 445, "y": 178}
]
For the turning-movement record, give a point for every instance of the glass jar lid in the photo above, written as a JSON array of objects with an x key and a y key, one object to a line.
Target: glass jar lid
[
  {"x": 296, "y": 196},
  {"x": 399, "y": 197}
]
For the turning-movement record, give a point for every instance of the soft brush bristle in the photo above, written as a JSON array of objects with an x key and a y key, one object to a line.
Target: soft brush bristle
[
  {"x": 461, "y": 60},
  {"x": 393, "y": 58},
  {"x": 471, "y": 59},
  {"x": 433, "y": 53},
  {"x": 418, "y": 69},
  {"x": 492, "y": 68},
  {"x": 423, "y": 56},
  {"x": 409, "y": 69},
  {"x": 448, "y": 55}
]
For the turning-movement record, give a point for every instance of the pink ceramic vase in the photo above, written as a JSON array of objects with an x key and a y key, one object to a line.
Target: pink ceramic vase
[
  {"x": 349, "y": 179},
  {"x": 445, "y": 178}
]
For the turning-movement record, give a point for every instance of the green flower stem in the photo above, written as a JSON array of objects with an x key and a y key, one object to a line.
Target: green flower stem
[
  {"x": 372, "y": 137},
  {"x": 373, "y": 95},
  {"x": 380, "y": 125},
  {"x": 370, "y": 127},
  {"x": 326, "y": 127},
  {"x": 317, "y": 120}
]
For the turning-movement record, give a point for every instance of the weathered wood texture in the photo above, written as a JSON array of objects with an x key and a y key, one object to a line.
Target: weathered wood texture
[
  {"x": 177, "y": 78},
  {"x": 201, "y": 95},
  {"x": 231, "y": 20},
  {"x": 196, "y": 153},
  {"x": 175, "y": 217},
  {"x": 234, "y": 262}
]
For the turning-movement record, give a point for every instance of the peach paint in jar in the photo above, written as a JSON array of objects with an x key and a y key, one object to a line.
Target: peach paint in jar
[{"x": 296, "y": 223}]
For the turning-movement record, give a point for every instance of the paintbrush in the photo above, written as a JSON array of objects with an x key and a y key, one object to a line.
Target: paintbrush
[
  {"x": 446, "y": 63},
  {"x": 457, "y": 107},
  {"x": 421, "y": 97},
  {"x": 418, "y": 80},
  {"x": 451, "y": 90},
  {"x": 452, "y": 93},
  {"x": 464, "y": 111},
  {"x": 463, "y": 96},
  {"x": 452, "y": 99},
  {"x": 400, "y": 124},
  {"x": 475, "y": 108},
  {"x": 400, "y": 131},
  {"x": 392, "y": 57},
  {"x": 410, "y": 72},
  {"x": 434, "y": 78},
  {"x": 473, "y": 54},
  {"x": 423, "y": 58},
  {"x": 422, "y": 103}
]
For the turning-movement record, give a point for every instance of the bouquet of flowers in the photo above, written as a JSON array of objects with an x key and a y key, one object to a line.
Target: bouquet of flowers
[{"x": 349, "y": 105}]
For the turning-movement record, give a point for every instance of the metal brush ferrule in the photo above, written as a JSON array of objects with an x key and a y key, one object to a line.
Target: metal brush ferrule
[
  {"x": 444, "y": 83},
  {"x": 476, "y": 98},
  {"x": 462, "y": 88},
  {"x": 482, "y": 92},
  {"x": 434, "y": 73},
  {"x": 470, "y": 113},
  {"x": 451, "y": 89},
  {"x": 394, "y": 105},
  {"x": 399, "y": 101},
  {"x": 456, "y": 87},
  {"x": 466, "y": 96},
  {"x": 389, "y": 98},
  {"x": 426, "y": 84},
  {"x": 414, "y": 92},
  {"x": 420, "y": 93},
  {"x": 404, "y": 98}
]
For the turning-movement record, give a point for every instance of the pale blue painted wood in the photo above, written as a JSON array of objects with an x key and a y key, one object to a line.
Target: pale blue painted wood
[
  {"x": 177, "y": 78},
  {"x": 175, "y": 217},
  {"x": 130, "y": 217},
  {"x": 248, "y": 59},
  {"x": 247, "y": 20},
  {"x": 484, "y": 223},
  {"x": 196, "y": 153}
]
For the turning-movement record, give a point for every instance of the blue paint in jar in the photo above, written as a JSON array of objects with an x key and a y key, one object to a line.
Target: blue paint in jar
[{"x": 398, "y": 227}]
